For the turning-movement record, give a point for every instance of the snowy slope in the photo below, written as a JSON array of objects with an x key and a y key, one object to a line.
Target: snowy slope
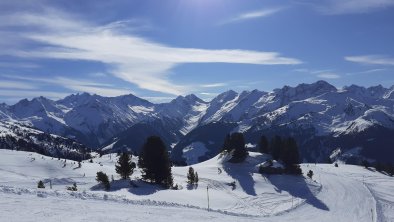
[
  {"x": 16, "y": 136},
  {"x": 346, "y": 193}
]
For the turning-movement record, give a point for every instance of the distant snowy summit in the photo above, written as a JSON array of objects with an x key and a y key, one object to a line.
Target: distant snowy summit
[{"x": 321, "y": 117}]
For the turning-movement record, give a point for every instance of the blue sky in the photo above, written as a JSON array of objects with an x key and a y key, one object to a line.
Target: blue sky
[{"x": 160, "y": 49}]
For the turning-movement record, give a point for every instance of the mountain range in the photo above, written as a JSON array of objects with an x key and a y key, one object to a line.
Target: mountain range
[{"x": 351, "y": 123}]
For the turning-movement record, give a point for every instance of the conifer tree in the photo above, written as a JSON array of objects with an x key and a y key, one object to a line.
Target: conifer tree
[
  {"x": 310, "y": 174},
  {"x": 40, "y": 184},
  {"x": 102, "y": 178},
  {"x": 236, "y": 143},
  {"x": 155, "y": 163},
  {"x": 227, "y": 143},
  {"x": 190, "y": 176},
  {"x": 263, "y": 145},
  {"x": 290, "y": 157},
  {"x": 289, "y": 152},
  {"x": 276, "y": 147},
  {"x": 124, "y": 166}
]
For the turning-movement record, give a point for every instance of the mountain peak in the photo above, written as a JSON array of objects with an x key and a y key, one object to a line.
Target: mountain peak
[
  {"x": 228, "y": 93},
  {"x": 320, "y": 85},
  {"x": 41, "y": 99},
  {"x": 76, "y": 99},
  {"x": 354, "y": 87},
  {"x": 306, "y": 90},
  {"x": 225, "y": 96},
  {"x": 191, "y": 98}
]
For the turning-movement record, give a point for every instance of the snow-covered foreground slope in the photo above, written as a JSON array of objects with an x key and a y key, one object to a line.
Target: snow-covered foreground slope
[{"x": 346, "y": 193}]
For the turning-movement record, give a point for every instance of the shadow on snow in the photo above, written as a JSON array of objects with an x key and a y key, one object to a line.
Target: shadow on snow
[
  {"x": 136, "y": 187},
  {"x": 241, "y": 174},
  {"x": 297, "y": 187}
]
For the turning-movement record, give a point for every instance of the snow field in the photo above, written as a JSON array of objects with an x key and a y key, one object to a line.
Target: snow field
[{"x": 346, "y": 193}]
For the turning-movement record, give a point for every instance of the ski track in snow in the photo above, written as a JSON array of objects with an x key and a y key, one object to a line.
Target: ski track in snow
[{"x": 107, "y": 198}]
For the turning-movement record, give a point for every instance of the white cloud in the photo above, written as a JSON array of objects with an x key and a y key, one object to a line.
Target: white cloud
[
  {"x": 366, "y": 71},
  {"x": 320, "y": 73},
  {"x": 74, "y": 85},
  {"x": 208, "y": 94},
  {"x": 213, "y": 85},
  {"x": 97, "y": 74},
  {"x": 252, "y": 15},
  {"x": 371, "y": 59},
  {"x": 311, "y": 71},
  {"x": 352, "y": 6},
  {"x": 16, "y": 85},
  {"x": 131, "y": 58},
  {"x": 104, "y": 91},
  {"x": 158, "y": 99},
  {"x": 329, "y": 76},
  {"x": 17, "y": 94}
]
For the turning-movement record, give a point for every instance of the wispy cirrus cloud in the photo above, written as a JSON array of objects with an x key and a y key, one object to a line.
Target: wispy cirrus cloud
[
  {"x": 130, "y": 57},
  {"x": 16, "y": 95},
  {"x": 336, "y": 7},
  {"x": 366, "y": 71},
  {"x": 208, "y": 94},
  {"x": 213, "y": 85},
  {"x": 4, "y": 84},
  {"x": 328, "y": 75},
  {"x": 371, "y": 59},
  {"x": 158, "y": 99},
  {"x": 313, "y": 71},
  {"x": 320, "y": 73},
  {"x": 252, "y": 15},
  {"x": 73, "y": 85}
]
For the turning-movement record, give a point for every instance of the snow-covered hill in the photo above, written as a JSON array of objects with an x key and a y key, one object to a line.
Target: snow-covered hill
[
  {"x": 320, "y": 116},
  {"x": 236, "y": 192},
  {"x": 15, "y": 136}
]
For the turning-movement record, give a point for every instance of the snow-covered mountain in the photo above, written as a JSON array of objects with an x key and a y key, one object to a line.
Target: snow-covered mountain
[
  {"x": 93, "y": 119},
  {"x": 320, "y": 116}
]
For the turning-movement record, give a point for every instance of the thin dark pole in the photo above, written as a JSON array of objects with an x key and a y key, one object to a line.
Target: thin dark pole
[{"x": 208, "y": 198}]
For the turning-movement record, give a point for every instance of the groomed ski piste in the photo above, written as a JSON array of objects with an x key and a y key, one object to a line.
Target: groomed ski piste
[{"x": 237, "y": 192}]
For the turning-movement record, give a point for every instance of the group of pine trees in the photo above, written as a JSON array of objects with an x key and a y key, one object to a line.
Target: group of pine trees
[
  {"x": 153, "y": 161},
  {"x": 235, "y": 143},
  {"x": 283, "y": 149},
  {"x": 192, "y": 177}
]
